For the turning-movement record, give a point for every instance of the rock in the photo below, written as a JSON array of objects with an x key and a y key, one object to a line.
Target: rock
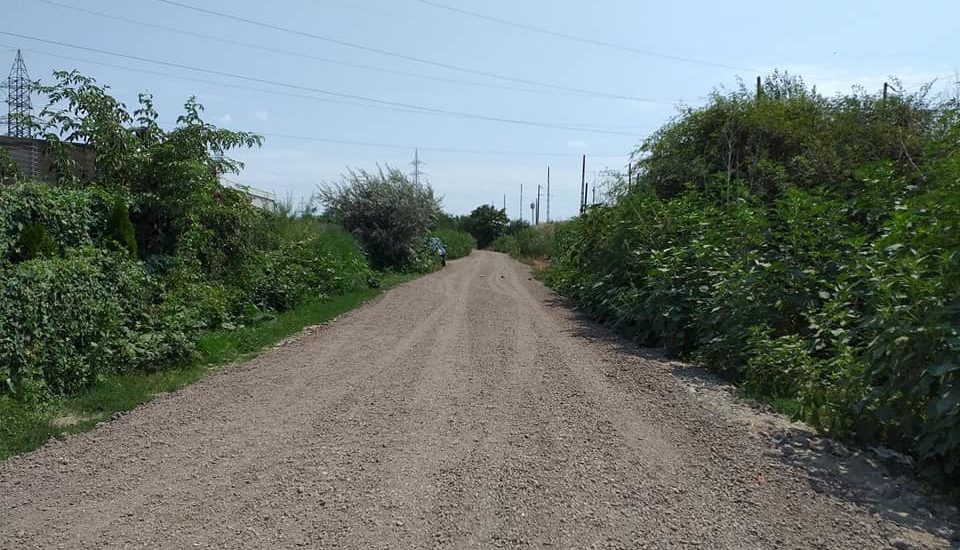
[
  {"x": 901, "y": 544},
  {"x": 889, "y": 490},
  {"x": 945, "y": 533},
  {"x": 840, "y": 451},
  {"x": 787, "y": 451}
]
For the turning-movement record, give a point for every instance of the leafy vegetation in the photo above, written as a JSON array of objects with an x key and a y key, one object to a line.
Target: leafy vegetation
[
  {"x": 126, "y": 264},
  {"x": 391, "y": 215},
  {"x": 806, "y": 246},
  {"x": 25, "y": 425},
  {"x": 139, "y": 270},
  {"x": 528, "y": 242},
  {"x": 485, "y": 223}
]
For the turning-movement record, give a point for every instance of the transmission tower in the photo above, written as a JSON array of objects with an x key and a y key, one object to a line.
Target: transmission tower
[
  {"x": 19, "y": 108},
  {"x": 417, "y": 171}
]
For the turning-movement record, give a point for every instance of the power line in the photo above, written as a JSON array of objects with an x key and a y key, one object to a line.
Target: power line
[
  {"x": 432, "y": 149},
  {"x": 406, "y": 106},
  {"x": 321, "y": 59},
  {"x": 575, "y": 38},
  {"x": 217, "y": 83},
  {"x": 251, "y": 88},
  {"x": 406, "y": 57}
]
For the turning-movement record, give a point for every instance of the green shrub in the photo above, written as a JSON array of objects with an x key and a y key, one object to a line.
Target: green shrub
[
  {"x": 71, "y": 217},
  {"x": 66, "y": 321},
  {"x": 9, "y": 169},
  {"x": 529, "y": 242},
  {"x": 34, "y": 242},
  {"x": 307, "y": 269},
  {"x": 120, "y": 228},
  {"x": 486, "y": 223},
  {"x": 796, "y": 245},
  {"x": 387, "y": 212}
]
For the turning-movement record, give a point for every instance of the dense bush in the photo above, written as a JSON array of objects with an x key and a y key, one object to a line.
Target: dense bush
[
  {"x": 458, "y": 244},
  {"x": 123, "y": 268},
  {"x": 387, "y": 212},
  {"x": 528, "y": 242},
  {"x": 66, "y": 321},
  {"x": 71, "y": 217},
  {"x": 807, "y": 247},
  {"x": 326, "y": 262},
  {"x": 486, "y": 223}
]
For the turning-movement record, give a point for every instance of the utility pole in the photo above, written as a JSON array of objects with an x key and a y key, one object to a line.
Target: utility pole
[
  {"x": 417, "y": 163},
  {"x": 548, "y": 194},
  {"x": 583, "y": 185},
  {"x": 19, "y": 106},
  {"x": 537, "y": 218},
  {"x": 504, "y": 203},
  {"x": 885, "y": 86},
  {"x": 759, "y": 89},
  {"x": 629, "y": 175},
  {"x": 520, "y": 210}
]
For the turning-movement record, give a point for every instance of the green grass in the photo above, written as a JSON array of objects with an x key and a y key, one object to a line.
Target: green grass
[{"x": 24, "y": 427}]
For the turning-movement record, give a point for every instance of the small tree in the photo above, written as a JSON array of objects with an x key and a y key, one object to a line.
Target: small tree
[
  {"x": 486, "y": 223},
  {"x": 390, "y": 214},
  {"x": 9, "y": 169}
]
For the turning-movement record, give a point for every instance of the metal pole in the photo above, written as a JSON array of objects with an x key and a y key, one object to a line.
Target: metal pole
[{"x": 537, "y": 222}]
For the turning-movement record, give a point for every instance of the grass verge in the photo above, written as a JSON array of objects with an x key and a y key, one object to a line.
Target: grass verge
[{"x": 25, "y": 427}]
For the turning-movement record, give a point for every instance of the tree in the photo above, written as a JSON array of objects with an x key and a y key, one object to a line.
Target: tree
[
  {"x": 178, "y": 207},
  {"x": 486, "y": 223},
  {"x": 390, "y": 214}
]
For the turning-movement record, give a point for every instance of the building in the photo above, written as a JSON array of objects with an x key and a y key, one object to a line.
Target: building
[
  {"x": 258, "y": 197},
  {"x": 35, "y": 158}
]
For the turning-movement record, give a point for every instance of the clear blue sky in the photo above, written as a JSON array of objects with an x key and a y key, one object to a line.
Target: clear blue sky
[{"x": 831, "y": 44}]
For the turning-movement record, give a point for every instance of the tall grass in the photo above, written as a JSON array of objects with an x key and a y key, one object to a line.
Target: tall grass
[{"x": 530, "y": 242}]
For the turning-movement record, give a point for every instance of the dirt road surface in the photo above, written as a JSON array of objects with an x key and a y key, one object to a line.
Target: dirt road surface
[{"x": 467, "y": 409}]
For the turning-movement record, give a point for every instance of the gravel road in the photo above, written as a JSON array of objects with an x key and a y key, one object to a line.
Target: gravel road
[{"x": 467, "y": 409}]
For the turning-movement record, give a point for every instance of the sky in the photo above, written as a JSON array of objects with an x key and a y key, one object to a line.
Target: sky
[{"x": 492, "y": 92}]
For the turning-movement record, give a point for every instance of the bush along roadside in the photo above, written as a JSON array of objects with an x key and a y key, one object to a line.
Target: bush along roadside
[
  {"x": 807, "y": 248},
  {"x": 25, "y": 426},
  {"x": 129, "y": 279},
  {"x": 529, "y": 243}
]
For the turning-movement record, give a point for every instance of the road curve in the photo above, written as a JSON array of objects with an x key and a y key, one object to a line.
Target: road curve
[{"x": 467, "y": 409}]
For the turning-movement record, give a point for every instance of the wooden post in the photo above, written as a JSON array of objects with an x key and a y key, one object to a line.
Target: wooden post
[{"x": 548, "y": 194}]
